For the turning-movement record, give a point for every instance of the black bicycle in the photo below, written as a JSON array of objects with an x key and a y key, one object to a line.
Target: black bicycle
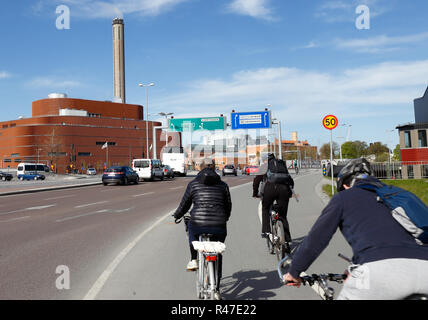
[
  {"x": 319, "y": 282},
  {"x": 276, "y": 241}
]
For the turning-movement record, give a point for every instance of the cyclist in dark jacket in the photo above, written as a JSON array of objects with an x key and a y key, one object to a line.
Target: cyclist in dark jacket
[
  {"x": 388, "y": 263},
  {"x": 271, "y": 192},
  {"x": 211, "y": 208}
]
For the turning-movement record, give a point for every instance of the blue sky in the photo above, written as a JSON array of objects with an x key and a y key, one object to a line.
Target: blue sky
[{"x": 305, "y": 58}]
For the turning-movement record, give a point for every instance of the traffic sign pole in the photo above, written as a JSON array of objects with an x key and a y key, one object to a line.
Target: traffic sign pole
[{"x": 330, "y": 122}]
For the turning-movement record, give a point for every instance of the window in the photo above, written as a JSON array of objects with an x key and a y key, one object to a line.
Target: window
[
  {"x": 141, "y": 163},
  {"x": 18, "y": 160},
  {"x": 57, "y": 154},
  {"x": 7, "y": 160},
  {"x": 407, "y": 139},
  {"x": 84, "y": 154},
  {"x": 424, "y": 171},
  {"x": 14, "y": 155},
  {"x": 101, "y": 143},
  {"x": 410, "y": 173},
  {"x": 422, "y": 138}
]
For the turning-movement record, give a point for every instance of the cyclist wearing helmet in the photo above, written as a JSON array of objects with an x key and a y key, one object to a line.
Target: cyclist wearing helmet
[
  {"x": 271, "y": 191},
  {"x": 387, "y": 262}
]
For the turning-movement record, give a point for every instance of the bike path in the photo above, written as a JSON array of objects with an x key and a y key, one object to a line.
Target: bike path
[{"x": 153, "y": 267}]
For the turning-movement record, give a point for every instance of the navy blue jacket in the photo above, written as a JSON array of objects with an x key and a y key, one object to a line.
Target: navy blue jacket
[{"x": 366, "y": 224}]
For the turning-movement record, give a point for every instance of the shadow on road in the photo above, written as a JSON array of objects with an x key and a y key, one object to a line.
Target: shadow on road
[{"x": 250, "y": 285}]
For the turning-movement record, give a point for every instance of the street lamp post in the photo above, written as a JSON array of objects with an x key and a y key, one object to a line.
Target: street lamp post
[
  {"x": 147, "y": 114},
  {"x": 166, "y": 124}
]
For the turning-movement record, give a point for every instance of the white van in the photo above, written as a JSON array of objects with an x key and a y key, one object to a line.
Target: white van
[
  {"x": 25, "y": 168},
  {"x": 176, "y": 162},
  {"x": 148, "y": 169}
]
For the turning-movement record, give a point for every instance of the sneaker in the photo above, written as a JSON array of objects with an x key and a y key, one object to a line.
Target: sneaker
[
  {"x": 217, "y": 296},
  {"x": 192, "y": 265},
  {"x": 265, "y": 235}
]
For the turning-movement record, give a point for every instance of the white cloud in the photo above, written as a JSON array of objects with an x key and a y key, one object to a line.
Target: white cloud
[
  {"x": 4, "y": 75},
  {"x": 53, "y": 83},
  {"x": 253, "y": 8},
  {"x": 334, "y": 11},
  {"x": 306, "y": 95},
  {"x": 381, "y": 43},
  {"x": 93, "y": 9}
]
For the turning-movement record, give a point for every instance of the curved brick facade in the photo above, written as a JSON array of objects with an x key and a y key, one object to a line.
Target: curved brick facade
[{"x": 63, "y": 140}]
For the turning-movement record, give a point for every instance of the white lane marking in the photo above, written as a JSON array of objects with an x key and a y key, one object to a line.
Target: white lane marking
[
  {"x": 175, "y": 188},
  {"x": 29, "y": 209},
  {"x": 60, "y": 197},
  {"x": 103, "y": 278},
  {"x": 89, "y": 204},
  {"x": 95, "y": 212},
  {"x": 15, "y": 219},
  {"x": 83, "y": 215},
  {"x": 142, "y": 194}
]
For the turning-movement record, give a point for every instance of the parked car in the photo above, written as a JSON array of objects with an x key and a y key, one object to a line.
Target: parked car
[
  {"x": 251, "y": 170},
  {"x": 31, "y": 176},
  {"x": 120, "y": 175},
  {"x": 168, "y": 172},
  {"x": 148, "y": 169},
  {"x": 229, "y": 169},
  {"x": 5, "y": 176},
  {"x": 91, "y": 171}
]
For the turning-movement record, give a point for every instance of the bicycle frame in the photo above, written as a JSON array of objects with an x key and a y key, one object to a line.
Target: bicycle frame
[{"x": 207, "y": 275}]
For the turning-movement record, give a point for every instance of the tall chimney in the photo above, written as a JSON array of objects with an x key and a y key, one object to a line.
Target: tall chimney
[{"x": 119, "y": 60}]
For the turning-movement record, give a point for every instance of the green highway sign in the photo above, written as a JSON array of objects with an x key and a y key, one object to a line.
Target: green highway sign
[{"x": 193, "y": 124}]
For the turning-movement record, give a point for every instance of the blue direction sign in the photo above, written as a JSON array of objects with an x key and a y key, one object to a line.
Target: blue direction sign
[{"x": 251, "y": 120}]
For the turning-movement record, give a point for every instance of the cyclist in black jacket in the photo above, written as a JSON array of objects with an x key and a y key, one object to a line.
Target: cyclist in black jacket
[
  {"x": 271, "y": 192},
  {"x": 211, "y": 209},
  {"x": 388, "y": 262}
]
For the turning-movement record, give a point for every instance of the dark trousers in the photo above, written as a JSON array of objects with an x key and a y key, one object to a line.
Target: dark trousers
[
  {"x": 280, "y": 193},
  {"x": 218, "y": 234}
]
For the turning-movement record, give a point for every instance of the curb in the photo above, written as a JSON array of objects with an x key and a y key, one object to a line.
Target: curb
[
  {"x": 318, "y": 189},
  {"x": 50, "y": 188}
]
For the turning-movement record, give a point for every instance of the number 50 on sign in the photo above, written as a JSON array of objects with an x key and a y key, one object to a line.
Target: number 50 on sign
[{"x": 330, "y": 122}]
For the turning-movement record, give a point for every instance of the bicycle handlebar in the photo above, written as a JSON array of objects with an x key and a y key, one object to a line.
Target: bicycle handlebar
[{"x": 312, "y": 279}]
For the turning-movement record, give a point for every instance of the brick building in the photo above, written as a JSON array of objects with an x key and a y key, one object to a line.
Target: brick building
[{"x": 67, "y": 133}]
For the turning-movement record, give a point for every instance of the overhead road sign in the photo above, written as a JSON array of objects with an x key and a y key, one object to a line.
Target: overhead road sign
[
  {"x": 251, "y": 120},
  {"x": 194, "y": 124}
]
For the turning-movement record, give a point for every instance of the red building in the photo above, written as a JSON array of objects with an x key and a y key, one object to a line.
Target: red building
[
  {"x": 69, "y": 134},
  {"x": 414, "y": 142}
]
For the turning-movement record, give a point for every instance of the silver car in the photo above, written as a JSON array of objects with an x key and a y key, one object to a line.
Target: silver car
[
  {"x": 229, "y": 169},
  {"x": 91, "y": 171}
]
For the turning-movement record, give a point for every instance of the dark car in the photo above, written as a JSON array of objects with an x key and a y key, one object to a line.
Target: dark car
[
  {"x": 31, "y": 176},
  {"x": 5, "y": 176},
  {"x": 167, "y": 171},
  {"x": 120, "y": 175},
  {"x": 229, "y": 169}
]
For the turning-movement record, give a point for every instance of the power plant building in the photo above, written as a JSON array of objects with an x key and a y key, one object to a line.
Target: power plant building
[{"x": 71, "y": 135}]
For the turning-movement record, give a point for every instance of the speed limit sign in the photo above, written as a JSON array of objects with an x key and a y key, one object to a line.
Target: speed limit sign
[{"x": 330, "y": 122}]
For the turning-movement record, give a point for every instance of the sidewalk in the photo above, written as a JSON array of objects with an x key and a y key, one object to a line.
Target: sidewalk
[{"x": 52, "y": 182}]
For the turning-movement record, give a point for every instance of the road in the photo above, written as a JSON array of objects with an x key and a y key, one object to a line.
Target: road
[{"x": 119, "y": 242}]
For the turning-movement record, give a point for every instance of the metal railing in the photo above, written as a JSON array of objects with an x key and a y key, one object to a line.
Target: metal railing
[{"x": 400, "y": 170}]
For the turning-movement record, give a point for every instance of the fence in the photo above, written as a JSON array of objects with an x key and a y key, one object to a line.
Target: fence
[{"x": 400, "y": 170}]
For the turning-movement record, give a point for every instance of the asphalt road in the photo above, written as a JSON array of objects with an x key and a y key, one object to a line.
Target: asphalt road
[{"x": 119, "y": 242}]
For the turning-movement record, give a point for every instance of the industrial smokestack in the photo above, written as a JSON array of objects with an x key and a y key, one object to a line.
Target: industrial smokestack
[{"x": 119, "y": 60}]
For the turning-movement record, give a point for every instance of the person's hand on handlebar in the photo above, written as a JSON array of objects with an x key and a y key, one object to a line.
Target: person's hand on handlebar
[{"x": 291, "y": 281}]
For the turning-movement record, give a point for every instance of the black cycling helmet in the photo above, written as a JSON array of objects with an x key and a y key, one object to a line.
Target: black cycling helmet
[
  {"x": 271, "y": 156},
  {"x": 353, "y": 170}
]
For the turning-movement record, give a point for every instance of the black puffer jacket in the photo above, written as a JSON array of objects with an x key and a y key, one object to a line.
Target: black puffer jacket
[{"x": 211, "y": 200}]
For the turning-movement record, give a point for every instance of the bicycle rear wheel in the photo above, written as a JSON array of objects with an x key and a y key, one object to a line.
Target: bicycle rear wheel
[
  {"x": 269, "y": 240},
  {"x": 200, "y": 277},
  {"x": 280, "y": 243}
]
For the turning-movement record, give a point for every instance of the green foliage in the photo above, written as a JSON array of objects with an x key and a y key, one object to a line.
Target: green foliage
[{"x": 397, "y": 153}]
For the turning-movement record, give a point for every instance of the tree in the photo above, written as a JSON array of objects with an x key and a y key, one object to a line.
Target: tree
[
  {"x": 361, "y": 148},
  {"x": 325, "y": 150},
  {"x": 349, "y": 150},
  {"x": 377, "y": 148},
  {"x": 397, "y": 153}
]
